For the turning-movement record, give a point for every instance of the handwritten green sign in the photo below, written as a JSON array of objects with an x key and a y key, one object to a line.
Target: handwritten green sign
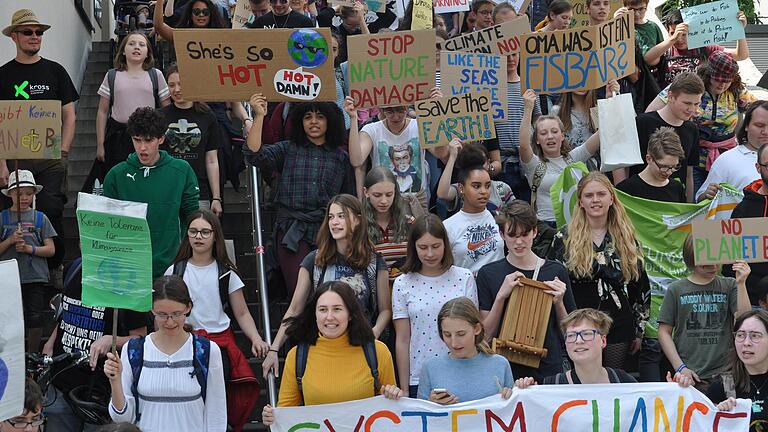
[{"x": 729, "y": 240}]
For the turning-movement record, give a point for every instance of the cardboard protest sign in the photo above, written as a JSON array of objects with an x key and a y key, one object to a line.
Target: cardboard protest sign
[
  {"x": 373, "y": 5},
  {"x": 231, "y": 65},
  {"x": 446, "y": 6},
  {"x": 726, "y": 241},
  {"x": 519, "y": 5},
  {"x": 500, "y": 39},
  {"x": 467, "y": 117},
  {"x": 422, "y": 15},
  {"x": 465, "y": 72},
  {"x": 392, "y": 68},
  {"x": 30, "y": 129},
  {"x": 581, "y": 13},
  {"x": 117, "y": 253},
  {"x": 713, "y": 23},
  {"x": 12, "y": 366},
  {"x": 242, "y": 14},
  {"x": 578, "y": 59},
  {"x": 588, "y": 407}
]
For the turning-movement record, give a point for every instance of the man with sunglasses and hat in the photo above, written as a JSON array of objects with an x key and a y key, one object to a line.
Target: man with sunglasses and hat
[
  {"x": 281, "y": 16},
  {"x": 31, "y": 77}
]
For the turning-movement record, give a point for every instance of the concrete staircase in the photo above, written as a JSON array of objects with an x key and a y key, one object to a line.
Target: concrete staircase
[{"x": 236, "y": 219}]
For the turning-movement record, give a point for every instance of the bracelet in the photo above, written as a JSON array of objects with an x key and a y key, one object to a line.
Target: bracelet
[
  {"x": 680, "y": 368},
  {"x": 217, "y": 199},
  {"x": 272, "y": 350}
]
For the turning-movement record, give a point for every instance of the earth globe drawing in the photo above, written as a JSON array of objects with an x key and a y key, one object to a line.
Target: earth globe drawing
[{"x": 308, "y": 48}]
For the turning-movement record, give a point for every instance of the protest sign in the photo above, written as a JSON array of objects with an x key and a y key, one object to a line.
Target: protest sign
[
  {"x": 231, "y": 65},
  {"x": 392, "y": 68},
  {"x": 422, "y": 15},
  {"x": 500, "y": 39},
  {"x": 519, "y": 5},
  {"x": 467, "y": 117},
  {"x": 464, "y": 72},
  {"x": 726, "y": 241},
  {"x": 581, "y": 13},
  {"x": 12, "y": 364},
  {"x": 584, "y": 407},
  {"x": 660, "y": 228},
  {"x": 713, "y": 23},
  {"x": 373, "y": 5},
  {"x": 578, "y": 59},
  {"x": 242, "y": 14},
  {"x": 117, "y": 253},
  {"x": 30, "y": 129},
  {"x": 446, "y": 6}
]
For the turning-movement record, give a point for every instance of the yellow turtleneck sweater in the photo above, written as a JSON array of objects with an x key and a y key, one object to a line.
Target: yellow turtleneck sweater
[{"x": 336, "y": 372}]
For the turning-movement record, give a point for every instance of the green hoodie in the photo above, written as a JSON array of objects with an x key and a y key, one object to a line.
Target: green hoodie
[{"x": 171, "y": 192}]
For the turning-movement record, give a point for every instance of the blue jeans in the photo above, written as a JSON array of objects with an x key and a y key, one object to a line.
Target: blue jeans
[
  {"x": 60, "y": 417},
  {"x": 699, "y": 177}
]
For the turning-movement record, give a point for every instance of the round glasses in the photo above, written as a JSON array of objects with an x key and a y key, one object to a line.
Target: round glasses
[
  {"x": 22, "y": 424},
  {"x": 204, "y": 233},
  {"x": 754, "y": 336}
]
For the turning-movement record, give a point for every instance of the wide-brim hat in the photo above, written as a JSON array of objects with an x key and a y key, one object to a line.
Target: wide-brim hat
[
  {"x": 723, "y": 66},
  {"x": 26, "y": 179},
  {"x": 23, "y": 17}
]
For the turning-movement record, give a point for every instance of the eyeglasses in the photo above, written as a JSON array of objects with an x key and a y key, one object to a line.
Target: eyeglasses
[
  {"x": 162, "y": 316},
  {"x": 199, "y": 12},
  {"x": 22, "y": 424},
  {"x": 764, "y": 165},
  {"x": 586, "y": 335},
  {"x": 30, "y": 32},
  {"x": 754, "y": 336},
  {"x": 204, "y": 233},
  {"x": 485, "y": 12},
  {"x": 638, "y": 9},
  {"x": 666, "y": 168}
]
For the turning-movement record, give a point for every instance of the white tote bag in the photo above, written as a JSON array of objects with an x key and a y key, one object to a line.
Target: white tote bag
[{"x": 619, "y": 144}]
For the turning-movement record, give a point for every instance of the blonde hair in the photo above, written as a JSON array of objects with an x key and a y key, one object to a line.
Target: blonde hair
[
  {"x": 578, "y": 244},
  {"x": 601, "y": 320},
  {"x": 565, "y": 145},
  {"x": 462, "y": 308}
]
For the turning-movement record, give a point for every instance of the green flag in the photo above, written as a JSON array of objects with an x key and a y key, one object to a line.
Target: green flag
[
  {"x": 117, "y": 253},
  {"x": 660, "y": 227}
]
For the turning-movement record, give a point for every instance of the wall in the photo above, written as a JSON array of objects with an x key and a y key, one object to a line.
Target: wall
[{"x": 67, "y": 42}]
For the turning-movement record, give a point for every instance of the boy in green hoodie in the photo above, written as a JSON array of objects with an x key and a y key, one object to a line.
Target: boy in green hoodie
[{"x": 150, "y": 175}]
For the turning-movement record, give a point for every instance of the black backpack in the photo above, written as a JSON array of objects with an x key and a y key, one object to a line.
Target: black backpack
[
  {"x": 112, "y": 73},
  {"x": 224, "y": 272}
]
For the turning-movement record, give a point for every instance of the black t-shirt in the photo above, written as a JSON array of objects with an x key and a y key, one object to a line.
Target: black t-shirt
[
  {"x": 344, "y": 33},
  {"x": 636, "y": 186},
  {"x": 489, "y": 280},
  {"x": 79, "y": 326},
  {"x": 648, "y": 123},
  {"x": 189, "y": 136},
  {"x": 615, "y": 376},
  {"x": 42, "y": 80},
  {"x": 292, "y": 20},
  {"x": 759, "y": 420}
]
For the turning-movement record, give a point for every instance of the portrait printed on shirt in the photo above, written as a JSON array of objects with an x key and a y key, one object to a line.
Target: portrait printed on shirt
[
  {"x": 404, "y": 160},
  {"x": 481, "y": 240},
  {"x": 183, "y": 137}
]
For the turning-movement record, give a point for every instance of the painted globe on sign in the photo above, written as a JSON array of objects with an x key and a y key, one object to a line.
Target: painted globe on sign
[
  {"x": 308, "y": 48},
  {"x": 3, "y": 378}
]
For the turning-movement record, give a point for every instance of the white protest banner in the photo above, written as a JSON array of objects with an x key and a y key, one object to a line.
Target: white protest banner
[
  {"x": 446, "y": 6},
  {"x": 11, "y": 342},
  {"x": 500, "y": 39},
  {"x": 565, "y": 408},
  {"x": 713, "y": 23},
  {"x": 619, "y": 144}
]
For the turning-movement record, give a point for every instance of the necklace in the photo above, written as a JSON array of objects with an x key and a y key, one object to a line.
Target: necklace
[
  {"x": 274, "y": 18},
  {"x": 757, "y": 389}
]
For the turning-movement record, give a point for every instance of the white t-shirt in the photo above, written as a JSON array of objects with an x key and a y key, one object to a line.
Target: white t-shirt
[
  {"x": 203, "y": 283},
  {"x": 734, "y": 167},
  {"x": 555, "y": 167},
  {"x": 475, "y": 239},
  {"x": 406, "y": 159},
  {"x": 419, "y": 298}
]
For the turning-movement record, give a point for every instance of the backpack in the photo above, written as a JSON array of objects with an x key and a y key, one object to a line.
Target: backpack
[
  {"x": 200, "y": 360},
  {"x": 613, "y": 377},
  {"x": 224, "y": 272},
  {"x": 538, "y": 175},
  {"x": 6, "y": 220},
  {"x": 369, "y": 348},
  {"x": 318, "y": 275},
  {"x": 112, "y": 74}
]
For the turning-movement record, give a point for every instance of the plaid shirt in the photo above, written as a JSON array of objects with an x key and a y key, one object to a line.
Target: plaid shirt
[{"x": 310, "y": 176}]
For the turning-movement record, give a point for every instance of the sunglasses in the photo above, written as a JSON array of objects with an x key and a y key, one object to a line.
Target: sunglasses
[
  {"x": 31, "y": 32},
  {"x": 199, "y": 12},
  {"x": 278, "y": 1}
]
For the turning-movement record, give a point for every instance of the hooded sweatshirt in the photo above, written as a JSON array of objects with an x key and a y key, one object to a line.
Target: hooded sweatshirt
[
  {"x": 753, "y": 205},
  {"x": 171, "y": 192}
]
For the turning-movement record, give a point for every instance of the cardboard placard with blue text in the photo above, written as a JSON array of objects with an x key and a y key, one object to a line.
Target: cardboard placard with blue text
[
  {"x": 578, "y": 59},
  {"x": 12, "y": 366},
  {"x": 30, "y": 129},
  {"x": 541, "y": 408},
  {"x": 468, "y": 117},
  {"x": 291, "y": 65},
  {"x": 729, "y": 240},
  {"x": 392, "y": 68},
  {"x": 500, "y": 39},
  {"x": 713, "y": 23},
  {"x": 465, "y": 72}
]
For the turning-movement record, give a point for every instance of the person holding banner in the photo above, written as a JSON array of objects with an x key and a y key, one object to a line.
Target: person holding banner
[
  {"x": 352, "y": 23},
  {"x": 748, "y": 368},
  {"x": 429, "y": 279},
  {"x": 559, "y": 16},
  {"x": 281, "y": 16},
  {"x": 545, "y": 154},
  {"x": 341, "y": 359},
  {"x": 160, "y": 382},
  {"x": 195, "y": 14},
  {"x": 696, "y": 317},
  {"x": 605, "y": 265}
]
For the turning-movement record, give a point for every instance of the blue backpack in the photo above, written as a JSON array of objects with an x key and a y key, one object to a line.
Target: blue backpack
[
  {"x": 7, "y": 232},
  {"x": 200, "y": 360}
]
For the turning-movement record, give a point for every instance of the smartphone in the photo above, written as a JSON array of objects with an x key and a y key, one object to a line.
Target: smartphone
[{"x": 440, "y": 391}]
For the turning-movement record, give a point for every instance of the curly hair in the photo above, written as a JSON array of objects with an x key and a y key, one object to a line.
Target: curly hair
[
  {"x": 397, "y": 212},
  {"x": 578, "y": 244},
  {"x": 146, "y": 122},
  {"x": 565, "y": 146},
  {"x": 215, "y": 21},
  {"x": 334, "y": 134}
]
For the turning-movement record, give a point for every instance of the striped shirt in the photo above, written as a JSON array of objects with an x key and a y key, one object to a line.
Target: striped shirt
[
  {"x": 508, "y": 132},
  {"x": 393, "y": 252}
]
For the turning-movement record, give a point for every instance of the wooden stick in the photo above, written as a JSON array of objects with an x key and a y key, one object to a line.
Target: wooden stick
[
  {"x": 18, "y": 194},
  {"x": 114, "y": 331},
  {"x": 525, "y": 349}
]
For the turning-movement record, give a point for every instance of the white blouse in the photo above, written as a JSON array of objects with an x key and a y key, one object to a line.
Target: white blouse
[{"x": 170, "y": 397}]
